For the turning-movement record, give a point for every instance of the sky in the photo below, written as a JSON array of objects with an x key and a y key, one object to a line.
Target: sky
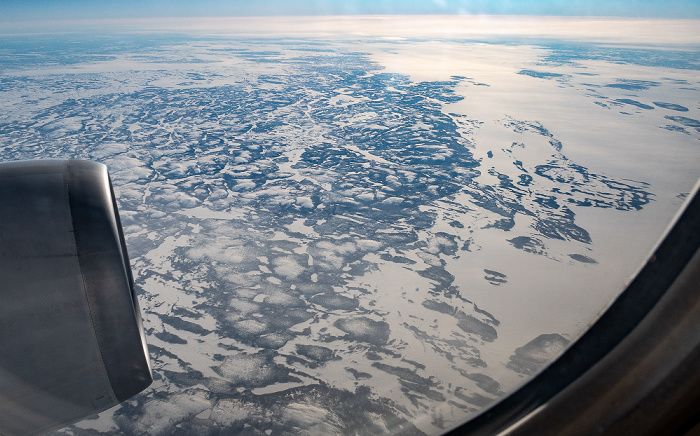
[{"x": 23, "y": 10}]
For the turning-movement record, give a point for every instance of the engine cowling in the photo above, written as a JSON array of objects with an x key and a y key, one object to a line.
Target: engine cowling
[{"x": 71, "y": 337}]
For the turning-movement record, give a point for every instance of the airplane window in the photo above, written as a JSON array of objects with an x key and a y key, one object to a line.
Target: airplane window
[{"x": 361, "y": 224}]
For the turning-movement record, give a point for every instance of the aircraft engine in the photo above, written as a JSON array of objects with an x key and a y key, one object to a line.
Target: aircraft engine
[{"x": 71, "y": 337}]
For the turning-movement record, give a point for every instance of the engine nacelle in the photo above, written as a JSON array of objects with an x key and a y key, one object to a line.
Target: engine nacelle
[{"x": 71, "y": 337}]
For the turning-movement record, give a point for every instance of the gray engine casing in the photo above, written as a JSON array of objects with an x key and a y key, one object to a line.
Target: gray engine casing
[{"x": 71, "y": 337}]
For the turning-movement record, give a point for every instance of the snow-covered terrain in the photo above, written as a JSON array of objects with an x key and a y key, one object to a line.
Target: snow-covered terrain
[{"x": 355, "y": 237}]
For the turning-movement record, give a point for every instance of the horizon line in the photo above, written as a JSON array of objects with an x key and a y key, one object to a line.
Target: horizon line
[{"x": 652, "y": 31}]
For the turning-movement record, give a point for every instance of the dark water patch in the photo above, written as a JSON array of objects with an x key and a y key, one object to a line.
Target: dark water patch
[
  {"x": 312, "y": 356},
  {"x": 467, "y": 245},
  {"x": 634, "y": 103},
  {"x": 363, "y": 329},
  {"x": 476, "y": 362},
  {"x": 317, "y": 353},
  {"x": 674, "y": 128},
  {"x": 405, "y": 374},
  {"x": 371, "y": 355},
  {"x": 229, "y": 347},
  {"x": 494, "y": 277},
  {"x": 633, "y": 85},
  {"x": 185, "y": 379},
  {"x": 630, "y": 197},
  {"x": 411, "y": 382},
  {"x": 525, "y": 126},
  {"x": 526, "y": 243},
  {"x": 273, "y": 340},
  {"x": 170, "y": 338},
  {"x": 495, "y": 281},
  {"x": 359, "y": 375},
  {"x": 469, "y": 324},
  {"x": 562, "y": 228},
  {"x": 504, "y": 180},
  {"x": 540, "y": 74},
  {"x": 397, "y": 259},
  {"x": 473, "y": 398},
  {"x": 181, "y": 311},
  {"x": 408, "y": 388},
  {"x": 519, "y": 126},
  {"x": 582, "y": 258},
  {"x": 438, "y": 274},
  {"x": 182, "y": 324},
  {"x": 671, "y": 106},
  {"x": 525, "y": 180},
  {"x": 335, "y": 301},
  {"x": 493, "y": 319},
  {"x": 156, "y": 353},
  {"x": 504, "y": 224},
  {"x": 546, "y": 201},
  {"x": 491, "y": 199},
  {"x": 676, "y": 81},
  {"x": 484, "y": 382},
  {"x": 413, "y": 362},
  {"x": 282, "y": 318},
  {"x": 494, "y": 273},
  {"x": 687, "y": 122},
  {"x": 440, "y": 306},
  {"x": 456, "y": 224},
  {"x": 466, "y": 323},
  {"x": 534, "y": 355}
]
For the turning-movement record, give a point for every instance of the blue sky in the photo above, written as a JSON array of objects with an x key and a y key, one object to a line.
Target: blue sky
[{"x": 21, "y": 10}]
